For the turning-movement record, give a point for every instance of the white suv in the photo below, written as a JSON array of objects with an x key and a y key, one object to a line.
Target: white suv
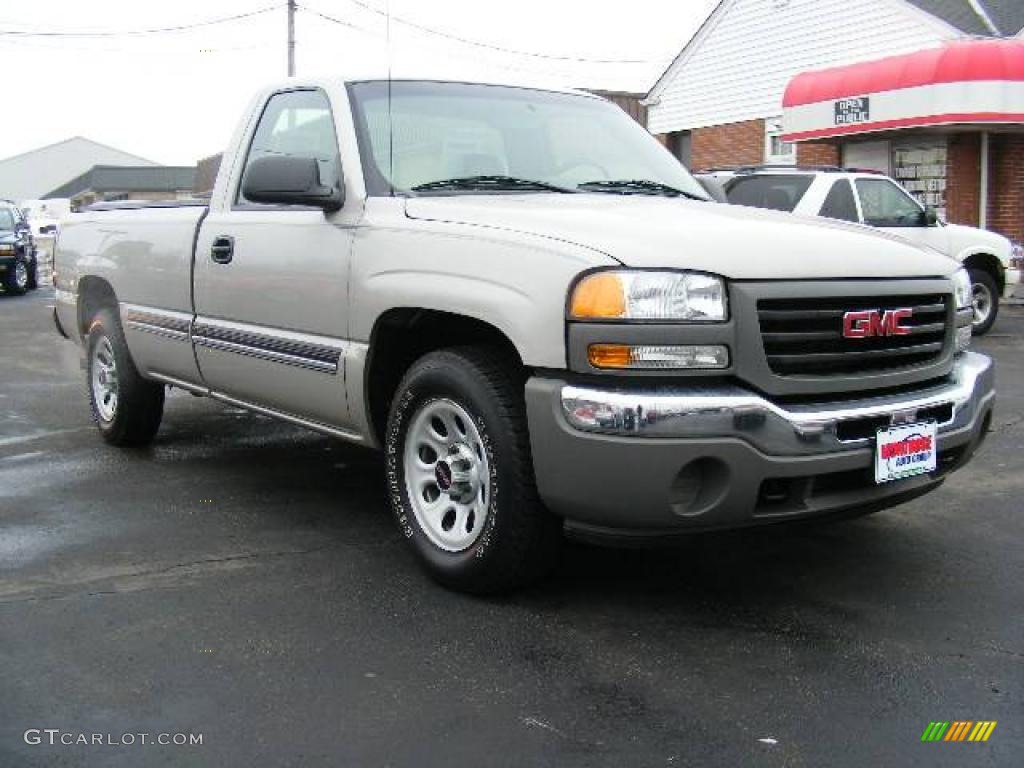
[{"x": 868, "y": 197}]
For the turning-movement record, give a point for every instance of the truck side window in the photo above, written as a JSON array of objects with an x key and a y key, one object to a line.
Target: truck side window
[
  {"x": 297, "y": 124},
  {"x": 840, "y": 204},
  {"x": 887, "y": 205}
]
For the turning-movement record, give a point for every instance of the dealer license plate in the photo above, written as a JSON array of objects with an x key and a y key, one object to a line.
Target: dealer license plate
[{"x": 905, "y": 451}]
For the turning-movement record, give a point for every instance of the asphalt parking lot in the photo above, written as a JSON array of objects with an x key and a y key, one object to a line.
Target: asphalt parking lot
[{"x": 243, "y": 580}]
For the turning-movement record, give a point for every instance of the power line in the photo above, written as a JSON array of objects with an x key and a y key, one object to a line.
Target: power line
[
  {"x": 341, "y": 22},
  {"x": 21, "y": 33},
  {"x": 478, "y": 43},
  {"x": 85, "y": 46}
]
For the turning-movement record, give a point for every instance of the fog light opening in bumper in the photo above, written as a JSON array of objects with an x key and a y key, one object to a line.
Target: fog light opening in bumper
[{"x": 699, "y": 486}]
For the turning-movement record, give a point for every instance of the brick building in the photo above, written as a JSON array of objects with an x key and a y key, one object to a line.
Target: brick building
[
  {"x": 946, "y": 122},
  {"x": 720, "y": 102}
]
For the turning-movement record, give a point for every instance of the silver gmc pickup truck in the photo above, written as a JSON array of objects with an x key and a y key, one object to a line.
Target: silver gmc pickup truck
[{"x": 536, "y": 313}]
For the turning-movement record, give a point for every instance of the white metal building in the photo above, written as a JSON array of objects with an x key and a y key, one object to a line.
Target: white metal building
[{"x": 36, "y": 173}]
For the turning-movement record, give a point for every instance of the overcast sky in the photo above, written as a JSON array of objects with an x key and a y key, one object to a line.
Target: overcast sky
[{"x": 175, "y": 97}]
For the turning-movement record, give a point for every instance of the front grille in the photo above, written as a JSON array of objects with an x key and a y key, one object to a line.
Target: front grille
[{"x": 804, "y": 337}]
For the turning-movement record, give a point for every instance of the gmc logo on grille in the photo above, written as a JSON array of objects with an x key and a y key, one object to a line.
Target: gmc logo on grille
[{"x": 870, "y": 322}]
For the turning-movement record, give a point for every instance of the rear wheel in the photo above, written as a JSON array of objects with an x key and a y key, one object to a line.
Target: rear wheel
[
  {"x": 460, "y": 474},
  {"x": 126, "y": 407},
  {"x": 985, "y": 294}
]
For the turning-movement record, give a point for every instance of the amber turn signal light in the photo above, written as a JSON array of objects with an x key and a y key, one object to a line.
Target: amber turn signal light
[
  {"x": 661, "y": 357},
  {"x": 609, "y": 355},
  {"x": 599, "y": 296}
]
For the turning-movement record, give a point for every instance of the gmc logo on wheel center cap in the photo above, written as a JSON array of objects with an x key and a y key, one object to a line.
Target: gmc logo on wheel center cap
[{"x": 865, "y": 323}]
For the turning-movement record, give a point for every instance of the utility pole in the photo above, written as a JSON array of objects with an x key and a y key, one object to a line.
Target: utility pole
[{"x": 291, "y": 38}]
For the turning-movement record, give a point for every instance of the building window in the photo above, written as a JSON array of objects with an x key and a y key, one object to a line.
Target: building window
[
  {"x": 777, "y": 151},
  {"x": 920, "y": 166}
]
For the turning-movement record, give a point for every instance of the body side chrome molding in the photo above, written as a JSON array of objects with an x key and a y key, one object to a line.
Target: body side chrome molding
[
  {"x": 313, "y": 353},
  {"x": 160, "y": 322},
  {"x": 265, "y": 354}
]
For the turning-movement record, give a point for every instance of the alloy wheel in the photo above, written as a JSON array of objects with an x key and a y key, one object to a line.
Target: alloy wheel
[
  {"x": 982, "y": 301},
  {"x": 104, "y": 379},
  {"x": 21, "y": 275},
  {"x": 447, "y": 475}
]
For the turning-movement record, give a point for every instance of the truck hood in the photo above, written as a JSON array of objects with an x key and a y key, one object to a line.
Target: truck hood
[{"x": 732, "y": 241}]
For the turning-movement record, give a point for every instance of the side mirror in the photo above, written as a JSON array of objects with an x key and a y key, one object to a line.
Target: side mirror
[
  {"x": 929, "y": 218},
  {"x": 285, "y": 180}
]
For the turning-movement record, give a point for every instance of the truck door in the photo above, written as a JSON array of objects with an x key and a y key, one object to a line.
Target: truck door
[{"x": 271, "y": 282}]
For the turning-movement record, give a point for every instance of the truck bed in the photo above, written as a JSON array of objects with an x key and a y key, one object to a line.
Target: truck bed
[{"x": 144, "y": 249}]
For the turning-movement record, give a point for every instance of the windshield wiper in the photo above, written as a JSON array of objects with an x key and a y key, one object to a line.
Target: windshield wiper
[
  {"x": 637, "y": 187},
  {"x": 490, "y": 183}
]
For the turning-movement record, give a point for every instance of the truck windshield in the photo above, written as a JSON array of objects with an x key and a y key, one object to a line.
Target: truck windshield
[{"x": 454, "y": 138}]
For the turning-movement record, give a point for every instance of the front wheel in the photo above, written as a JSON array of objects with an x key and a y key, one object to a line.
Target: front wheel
[
  {"x": 985, "y": 295},
  {"x": 126, "y": 407},
  {"x": 16, "y": 281},
  {"x": 460, "y": 474}
]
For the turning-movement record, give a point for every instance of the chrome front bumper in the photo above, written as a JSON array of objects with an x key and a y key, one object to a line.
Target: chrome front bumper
[
  {"x": 650, "y": 462},
  {"x": 794, "y": 430}
]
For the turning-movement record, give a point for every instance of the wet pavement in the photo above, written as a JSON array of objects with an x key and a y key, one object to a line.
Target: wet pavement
[{"x": 243, "y": 580}]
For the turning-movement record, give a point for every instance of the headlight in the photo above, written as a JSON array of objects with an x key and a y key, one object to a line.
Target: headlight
[
  {"x": 962, "y": 289},
  {"x": 637, "y": 295},
  {"x": 6, "y": 248}
]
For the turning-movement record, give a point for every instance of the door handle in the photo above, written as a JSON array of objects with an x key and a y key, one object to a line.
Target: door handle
[{"x": 223, "y": 249}]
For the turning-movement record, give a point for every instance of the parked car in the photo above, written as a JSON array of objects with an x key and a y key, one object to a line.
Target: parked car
[
  {"x": 874, "y": 199},
  {"x": 18, "y": 263},
  {"x": 537, "y": 315}
]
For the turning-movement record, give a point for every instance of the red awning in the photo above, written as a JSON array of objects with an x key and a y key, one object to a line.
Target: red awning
[{"x": 963, "y": 82}]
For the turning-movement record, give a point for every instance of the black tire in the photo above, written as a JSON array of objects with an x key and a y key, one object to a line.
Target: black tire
[
  {"x": 12, "y": 280},
  {"x": 983, "y": 281},
  {"x": 519, "y": 539},
  {"x": 33, "y": 274},
  {"x": 139, "y": 406}
]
